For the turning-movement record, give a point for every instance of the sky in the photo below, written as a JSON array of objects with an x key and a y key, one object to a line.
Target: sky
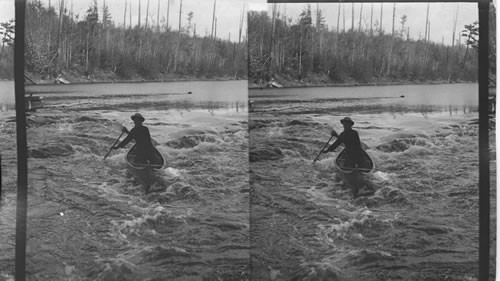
[
  {"x": 228, "y": 12},
  {"x": 441, "y": 16}
]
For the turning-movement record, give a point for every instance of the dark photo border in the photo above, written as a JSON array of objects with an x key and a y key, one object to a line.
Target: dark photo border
[{"x": 484, "y": 172}]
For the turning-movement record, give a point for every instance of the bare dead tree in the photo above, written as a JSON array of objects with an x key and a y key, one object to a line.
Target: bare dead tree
[
  {"x": 393, "y": 18},
  {"x": 352, "y": 19},
  {"x": 125, "y": 15},
  {"x": 213, "y": 19},
  {"x": 147, "y": 14},
  {"x": 158, "y": 17},
  {"x": 454, "y": 27},
  {"x": 426, "y": 22},
  {"x": 338, "y": 19},
  {"x": 360, "y": 17},
  {"x": 381, "y": 13},
  {"x": 371, "y": 21}
]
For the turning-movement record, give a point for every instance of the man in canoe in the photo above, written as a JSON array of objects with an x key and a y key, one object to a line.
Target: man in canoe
[
  {"x": 351, "y": 141},
  {"x": 354, "y": 156},
  {"x": 142, "y": 139}
]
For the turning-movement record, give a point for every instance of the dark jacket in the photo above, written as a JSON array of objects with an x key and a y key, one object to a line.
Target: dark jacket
[
  {"x": 142, "y": 140},
  {"x": 350, "y": 139}
]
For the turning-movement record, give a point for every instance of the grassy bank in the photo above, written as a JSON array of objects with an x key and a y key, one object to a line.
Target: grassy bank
[
  {"x": 322, "y": 80},
  {"x": 111, "y": 77}
]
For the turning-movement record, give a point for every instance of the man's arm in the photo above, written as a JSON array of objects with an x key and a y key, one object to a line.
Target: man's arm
[
  {"x": 340, "y": 139},
  {"x": 124, "y": 142}
]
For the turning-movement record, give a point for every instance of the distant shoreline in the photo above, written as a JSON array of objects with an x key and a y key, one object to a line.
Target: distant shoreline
[
  {"x": 254, "y": 86},
  {"x": 134, "y": 82},
  {"x": 111, "y": 78}
]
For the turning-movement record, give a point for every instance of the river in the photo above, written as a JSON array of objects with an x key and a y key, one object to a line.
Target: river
[
  {"x": 89, "y": 220},
  {"x": 422, "y": 221}
]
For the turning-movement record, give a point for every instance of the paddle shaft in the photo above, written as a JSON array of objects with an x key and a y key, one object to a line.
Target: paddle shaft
[
  {"x": 116, "y": 141},
  {"x": 321, "y": 151}
]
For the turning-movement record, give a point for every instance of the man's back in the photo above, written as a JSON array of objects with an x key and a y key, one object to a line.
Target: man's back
[{"x": 351, "y": 140}]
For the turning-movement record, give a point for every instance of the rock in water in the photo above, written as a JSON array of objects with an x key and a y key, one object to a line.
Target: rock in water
[{"x": 265, "y": 154}]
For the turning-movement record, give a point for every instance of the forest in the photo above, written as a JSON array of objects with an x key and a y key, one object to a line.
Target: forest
[
  {"x": 7, "y": 50},
  {"x": 310, "y": 53},
  {"x": 96, "y": 47}
]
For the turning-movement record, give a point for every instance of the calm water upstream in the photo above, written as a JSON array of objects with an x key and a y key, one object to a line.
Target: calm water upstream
[
  {"x": 89, "y": 220},
  {"x": 422, "y": 221}
]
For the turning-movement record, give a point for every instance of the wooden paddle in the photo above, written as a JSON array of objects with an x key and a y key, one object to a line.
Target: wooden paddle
[
  {"x": 334, "y": 134},
  {"x": 116, "y": 141}
]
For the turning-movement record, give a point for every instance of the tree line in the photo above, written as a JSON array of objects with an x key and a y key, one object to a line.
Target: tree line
[
  {"x": 58, "y": 40},
  {"x": 7, "y": 49},
  {"x": 304, "y": 49}
]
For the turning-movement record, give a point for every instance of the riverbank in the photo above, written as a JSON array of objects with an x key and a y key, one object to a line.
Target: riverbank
[
  {"x": 322, "y": 80},
  {"x": 110, "y": 77}
]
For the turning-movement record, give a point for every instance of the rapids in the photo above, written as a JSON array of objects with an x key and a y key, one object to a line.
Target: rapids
[
  {"x": 89, "y": 220},
  {"x": 420, "y": 224}
]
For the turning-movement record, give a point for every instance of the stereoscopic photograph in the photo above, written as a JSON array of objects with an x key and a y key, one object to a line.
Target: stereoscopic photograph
[
  {"x": 246, "y": 140},
  {"x": 364, "y": 141},
  {"x": 137, "y": 140}
]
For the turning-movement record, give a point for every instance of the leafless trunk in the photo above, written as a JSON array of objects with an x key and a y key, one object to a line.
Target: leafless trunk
[
  {"x": 130, "y": 14},
  {"x": 300, "y": 56},
  {"x": 393, "y": 18},
  {"x": 168, "y": 11},
  {"x": 87, "y": 51},
  {"x": 360, "y": 17},
  {"x": 454, "y": 28},
  {"x": 381, "y": 12},
  {"x": 158, "y": 17},
  {"x": 125, "y": 16},
  {"x": 59, "y": 31},
  {"x": 338, "y": 18},
  {"x": 180, "y": 17},
  {"x": 352, "y": 21},
  {"x": 426, "y": 22},
  {"x": 50, "y": 30},
  {"x": 213, "y": 20},
  {"x": 273, "y": 38},
  {"x": 429, "y": 32},
  {"x": 147, "y": 14},
  {"x": 371, "y": 21},
  {"x": 139, "y": 20},
  {"x": 178, "y": 38},
  {"x": 242, "y": 16},
  {"x": 343, "y": 17}
]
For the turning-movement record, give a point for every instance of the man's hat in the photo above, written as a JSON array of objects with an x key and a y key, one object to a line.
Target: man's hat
[
  {"x": 137, "y": 116},
  {"x": 348, "y": 120}
]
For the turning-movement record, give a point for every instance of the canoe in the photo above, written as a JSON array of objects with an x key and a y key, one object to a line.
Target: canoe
[
  {"x": 367, "y": 165},
  {"x": 144, "y": 173}
]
